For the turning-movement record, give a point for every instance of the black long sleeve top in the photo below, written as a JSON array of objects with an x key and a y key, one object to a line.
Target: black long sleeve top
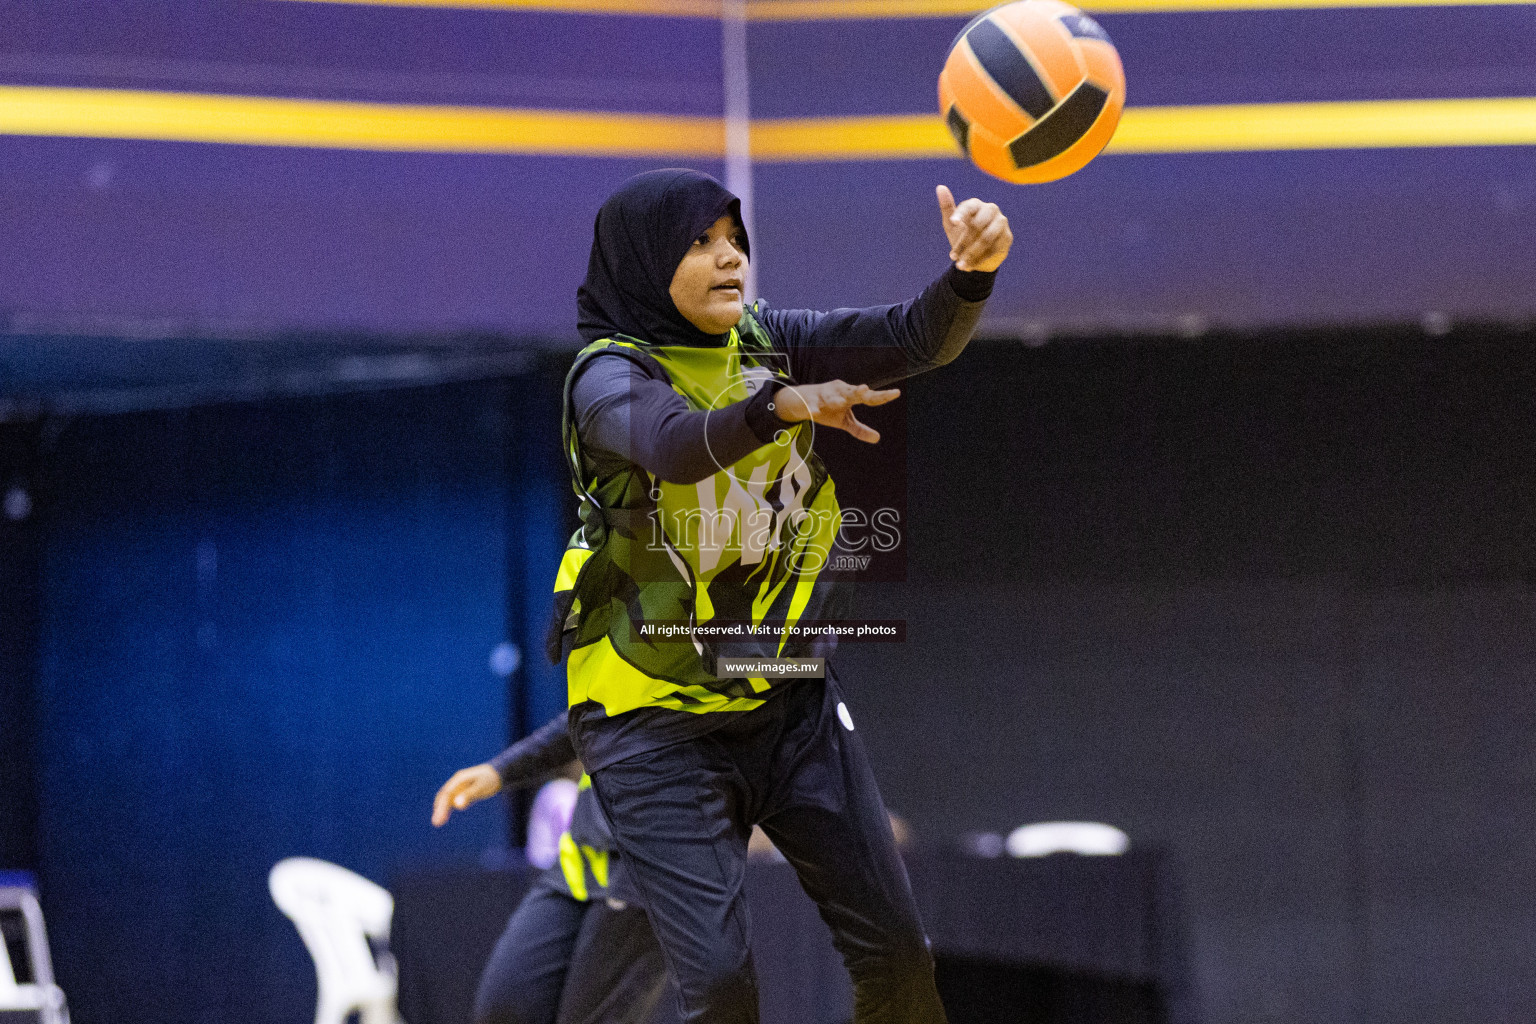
[
  {"x": 625, "y": 415},
  {"x": 536, "y": 756}
]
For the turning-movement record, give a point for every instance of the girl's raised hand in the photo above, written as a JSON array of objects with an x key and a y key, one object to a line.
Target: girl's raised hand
[{"x": 979, "y": 236}]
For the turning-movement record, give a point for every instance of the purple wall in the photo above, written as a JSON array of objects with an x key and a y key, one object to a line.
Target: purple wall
[
  {"x": 1176, "y": 242},
  {"x": 213, "y": 234},
  {"x": 285, "y": 238}
]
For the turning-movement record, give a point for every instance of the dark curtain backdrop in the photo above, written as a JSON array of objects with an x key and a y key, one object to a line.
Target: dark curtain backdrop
[
  {"x": 267, "y": 632},
  {"x": 1267, "y": 603},
  {"x": 1263, "y": 602},
  {"x": 20, "y": 582}
]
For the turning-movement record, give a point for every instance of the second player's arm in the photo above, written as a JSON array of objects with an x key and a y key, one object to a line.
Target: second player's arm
[{"x": 525, "y": 763}]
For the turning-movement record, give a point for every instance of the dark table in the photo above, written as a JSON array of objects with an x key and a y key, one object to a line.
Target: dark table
[{"x": 1054, "y": 939}]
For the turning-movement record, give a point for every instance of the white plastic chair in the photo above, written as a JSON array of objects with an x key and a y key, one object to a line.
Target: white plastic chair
[
  {"x": 1090, "y": 838},
  {"x": 40, "y": 994},
  {"x": 336, "y": 912}
]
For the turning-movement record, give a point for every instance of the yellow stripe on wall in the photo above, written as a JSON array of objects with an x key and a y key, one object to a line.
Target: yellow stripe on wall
[
  {"x": 896, "y": 137},
  {"x": 833, "y": 10},
  {"x": 330, "y": 124},
  {"x": 1373, "y": 124},
  {"x": 1376, "y": 124}
]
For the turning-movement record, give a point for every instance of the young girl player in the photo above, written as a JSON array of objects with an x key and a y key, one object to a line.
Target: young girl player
[{"x": 688, "y": 427}]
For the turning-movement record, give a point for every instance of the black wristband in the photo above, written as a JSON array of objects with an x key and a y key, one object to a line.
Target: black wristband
[
  {"x": 761, "y": 419},
  {"x": 971, "y": 285}
]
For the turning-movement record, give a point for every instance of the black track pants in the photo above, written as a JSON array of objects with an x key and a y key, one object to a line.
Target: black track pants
[
  {"x": 681, "y": 818},
  {"x": 564, "y": 961}
]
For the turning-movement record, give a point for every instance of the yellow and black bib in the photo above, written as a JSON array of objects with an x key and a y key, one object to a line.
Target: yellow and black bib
[{"x": 653, "y": 559}]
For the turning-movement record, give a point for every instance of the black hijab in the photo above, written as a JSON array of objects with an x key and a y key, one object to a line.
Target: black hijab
[{"x": 642, "y": 233}]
